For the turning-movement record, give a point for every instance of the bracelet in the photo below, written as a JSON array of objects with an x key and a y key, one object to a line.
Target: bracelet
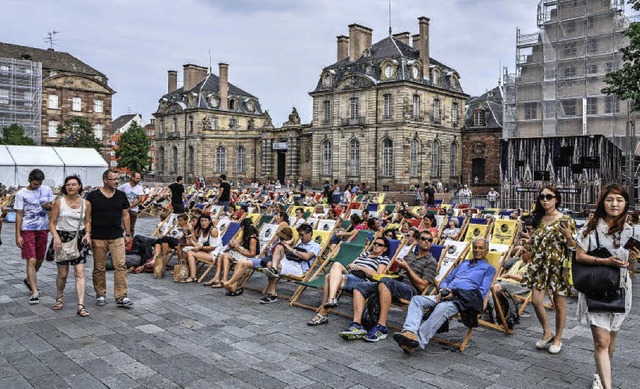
[{"x": 595, "y": 259}]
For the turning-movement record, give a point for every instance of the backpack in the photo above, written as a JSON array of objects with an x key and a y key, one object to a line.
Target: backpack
[
  {"x": 371, "y": 312},
  {"x": 509, "y": 307}
]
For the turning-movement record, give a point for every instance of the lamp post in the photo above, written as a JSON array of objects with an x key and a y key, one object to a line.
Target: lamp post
[{"x": 233, "y": 124}]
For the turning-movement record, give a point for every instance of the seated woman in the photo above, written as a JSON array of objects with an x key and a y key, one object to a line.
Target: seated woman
[
  {"x": 206, "y": 242},
  {"x": 341, "y": 278},
  {"x": 174, "y": 239},
  {"x": 282, "y": 219},
  {"x": 350, "y": 232},
  {"x": 429, "y": 223},
  {"x": 239, "y": 252},
  {"x": 452, "y": 231}
]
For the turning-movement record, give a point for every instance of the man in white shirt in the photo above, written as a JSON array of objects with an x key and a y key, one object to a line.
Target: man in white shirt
[{"x": 134, "y": 192}]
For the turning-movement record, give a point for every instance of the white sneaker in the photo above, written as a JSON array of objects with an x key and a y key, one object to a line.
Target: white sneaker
[{"x": 597, "y": 384}]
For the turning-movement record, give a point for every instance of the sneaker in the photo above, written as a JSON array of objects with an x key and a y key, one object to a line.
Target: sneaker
[
  {"x": 271, "y": 272},
  {"x": 355, "y": 331},
  {"x": 35, "y": 299},
  {"x": 100, "y": 301},
  {"x": 124, "y": 302},
  {"x": 331, "y": 303},
  {"x": 378, "y": 332},
  {"x": 268, "y": 299},
  {"x": 407, "y": 340},
  {"x": 596, "y": 384}
]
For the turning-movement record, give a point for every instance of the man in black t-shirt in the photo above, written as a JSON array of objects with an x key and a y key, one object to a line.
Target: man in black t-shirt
[
  {"x": 429, "y": 194},
  {"x": 225, "y": 192},
  {"x": 178, "y": 195},
  {"x": 109, "y": 212}
]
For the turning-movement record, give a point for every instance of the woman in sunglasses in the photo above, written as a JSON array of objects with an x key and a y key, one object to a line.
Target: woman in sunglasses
[
  {"x": 341, "y": 278},
  {"x": 608, "y": 228},
  {"x": 552, "y": 237}
]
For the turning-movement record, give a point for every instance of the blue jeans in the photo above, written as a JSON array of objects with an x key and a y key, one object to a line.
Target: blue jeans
[{"x": 440, "y": 313}]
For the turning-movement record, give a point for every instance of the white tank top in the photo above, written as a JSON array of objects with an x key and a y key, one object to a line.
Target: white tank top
[
  {"x": 213, "y": 242},
  {"x": 68, "y": 218}
]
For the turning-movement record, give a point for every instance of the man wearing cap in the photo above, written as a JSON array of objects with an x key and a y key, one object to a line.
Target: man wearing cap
[{"x": 290, "y": 260}]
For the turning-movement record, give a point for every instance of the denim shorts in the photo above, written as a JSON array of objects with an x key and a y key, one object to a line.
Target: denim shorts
[
  {"x": 399, "y": 290},
  {"x": 353, "y": 281}
]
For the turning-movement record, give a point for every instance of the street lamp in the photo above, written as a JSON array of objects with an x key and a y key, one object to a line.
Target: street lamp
[{"x": 233, "y": 124}]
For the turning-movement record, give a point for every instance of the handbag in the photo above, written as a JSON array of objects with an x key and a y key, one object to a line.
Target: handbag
[
  {"x": 611, "y": 302},
  {"x": 595, "y": 280},
  {"x": 180, "y": 272},
  {"x": 69, "y": 250}
]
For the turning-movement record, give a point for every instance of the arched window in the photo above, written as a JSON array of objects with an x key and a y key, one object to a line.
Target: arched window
[
  {"x": 413, "y": 162},
  {"x": 354, "y": 158},
  {"x": 327, "y": 155},
  {"x": 221, "y": 159},
  {"x": 387, "y": 157},
  {"x": 240, "y": 160},
  {"x": 161, "y": 160},
  {"x": 453, "y": 161},
  {"x": 174, "y": 155},
  {"x": 436, "y": 161},
  {"x": 190, "y": 160}
]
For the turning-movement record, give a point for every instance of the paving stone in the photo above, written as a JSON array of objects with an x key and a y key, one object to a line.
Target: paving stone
[
  {"x": 84, "y": 381},
  {"x": 49, "y": 381}
]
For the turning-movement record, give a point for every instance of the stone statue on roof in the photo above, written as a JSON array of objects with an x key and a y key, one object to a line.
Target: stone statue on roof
[
  {"x": 267, "y": 119},
  {"x": 294, "y": 118}
]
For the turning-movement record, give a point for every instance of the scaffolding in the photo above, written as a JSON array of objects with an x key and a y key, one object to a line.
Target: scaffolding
[{"x": 21, "y": 95}]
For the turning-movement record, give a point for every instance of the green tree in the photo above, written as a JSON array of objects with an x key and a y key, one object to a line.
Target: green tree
[
  {"x": 133, "y": 149},
  {"x": 625, "y": 82},
  {"x": 14, "y": 135},
  {"x": 77, "y": 132}
]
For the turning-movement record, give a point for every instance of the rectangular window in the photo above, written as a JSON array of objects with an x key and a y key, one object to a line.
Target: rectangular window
[
  {"x": 354, "y": 107},
  {"x": 570, "y": 49},
  {"x": 191, "y": 130},
  {"x": 592, "y": 106},
  {"x": 76, "y": 104},
  {"x": 53, "y": 101},
  {"x": 4, "y": 96},
  {"x": 4, "y": 68},
  {"x": 387, "y": 107},
  {"x": 454, "y": 114},
  {"x": 53, "y": 129},
  {"x": 530, "y": 111},
  {"x": 326, "y": 112},
  {"x": 436, "y": 111},
  {"x": 98, "y": 106},
  {"x": 611, "y": 104},
  {"x": 592, "y": 68},
  {"x": 592, "y": 46},
  {"x": 478, "y": 118},
  {"x": 97, "y": 131},
  {"x": 569, "y": 72},
  {"x": 569, "y": 107},
  {"x": 570, "y": 27},
  {"x": 416, "y": 107}
]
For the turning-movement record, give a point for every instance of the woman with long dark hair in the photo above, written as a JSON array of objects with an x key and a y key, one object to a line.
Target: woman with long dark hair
[
  {"x": 552, "y": 237},
  {"x": 607, "y": 228},
  {"x": 248, "y": 248},
  {"x": 206, "y": 242}
]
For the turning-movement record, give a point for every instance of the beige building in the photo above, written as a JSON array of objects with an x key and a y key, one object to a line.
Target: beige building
[
  {"x": 561, "y": 71},
  {"x": 386, "y": 113}
]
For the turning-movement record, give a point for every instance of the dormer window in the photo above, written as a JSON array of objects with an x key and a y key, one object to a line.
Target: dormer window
[
  {"x": 232, "y": 105},
  {"x": 435, "y": 76},
  {"x": 327, "y": 80},
  {"x": 479, "y": 118}
]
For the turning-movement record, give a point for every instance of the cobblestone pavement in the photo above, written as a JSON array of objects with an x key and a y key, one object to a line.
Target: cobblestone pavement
[{"x": 186, "y": 335}]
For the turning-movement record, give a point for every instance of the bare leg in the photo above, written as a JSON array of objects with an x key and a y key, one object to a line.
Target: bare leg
[
  {"x": 278, "y": 254},
  {"x": 191, "y": 260},
  {"x": 31, "y": 275},
  {"x": 325, "y": 295},
  {"x": 219, "y": 264},
  {"x": 601, "y": 354},
  {"x": 78, "y": 273},
  {"x": 560, "y": 303},
  {"x": 271, "y": 286},
  {"x": 359, "y": 303},
  {"x": 384, "y": 295},
  {"x": 61, "y": 280},
  {"x": 226, "y": 266},
  {"x": 336, "y": 279},
  {"x": 537, "y": 300},
  {"x": 241, "y": 266}
]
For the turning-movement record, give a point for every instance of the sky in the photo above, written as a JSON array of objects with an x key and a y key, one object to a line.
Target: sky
[{"x": 276, "y": 49}]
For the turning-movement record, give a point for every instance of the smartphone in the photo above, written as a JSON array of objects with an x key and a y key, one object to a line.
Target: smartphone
[{"x": 632, "y": 243}]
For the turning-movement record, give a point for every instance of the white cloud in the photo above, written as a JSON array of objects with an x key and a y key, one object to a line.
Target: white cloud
[{"x": 275, "y": 49}]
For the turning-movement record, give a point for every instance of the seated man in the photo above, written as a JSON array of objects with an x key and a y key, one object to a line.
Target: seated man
[
  {"x": 290, "y": 260},
  {"x": 417, "y": 272},
  {"x": 464, "y": 289}
]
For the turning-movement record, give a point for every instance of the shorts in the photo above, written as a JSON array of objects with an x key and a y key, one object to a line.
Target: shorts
[
  {"x": 353, "y": 281},
  {"x": 34, "y": 244},
  {"x": 170, "y": 240},
  {"x": 178, "y": 208},
  {"x": 260, "y": 262},
  {"x": 399, "y": 290},
  {"x": 292, "y": 268},
  {"x": 236, "y": 256}
]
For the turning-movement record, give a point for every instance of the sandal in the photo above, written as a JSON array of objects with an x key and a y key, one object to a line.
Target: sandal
[
  {"x": 213, "y": 284},
  {"x": 190, "y": 279},
  {"x": 331, "y": 303},
  {"x": 58, "y": 305},
  {"x": 82, "y": 312},
  {"x": 236, "y": 293},
  {"x": 318, "y": 319}
]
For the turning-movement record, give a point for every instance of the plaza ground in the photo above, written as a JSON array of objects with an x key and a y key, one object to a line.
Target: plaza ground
[{"x": 186, "y": 335}]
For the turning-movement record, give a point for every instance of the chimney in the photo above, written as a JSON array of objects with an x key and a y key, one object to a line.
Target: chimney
[
  {"x": 223, "y": 88},
  {"x": 416, "y": 41},
  {"x": 173, "y": 81},
  {"x": 423, "y": 24},
  {"x": 343, "y": 47},
  {"x": 359, "y": 40},
  {"x": 193, "y": 74},
  {"x": 402, "y": 37}
]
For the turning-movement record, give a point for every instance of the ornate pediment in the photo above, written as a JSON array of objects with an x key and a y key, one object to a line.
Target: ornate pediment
[
  {"x": 354, "y": 81},
  {"x": 68, "y": 81}
]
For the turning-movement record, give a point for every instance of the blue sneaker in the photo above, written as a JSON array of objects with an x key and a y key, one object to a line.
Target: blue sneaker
[
  {"x": 355, "y": 331},
  {"x": 378, "y": 332}
]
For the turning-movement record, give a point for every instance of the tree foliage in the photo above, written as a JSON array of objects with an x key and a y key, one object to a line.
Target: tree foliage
[
  {"x": 625, "y": 82},
  {"x": 77, "y": 132},
  {"x": 14, "y": 135},
  {"x": 133, "y": 149}
]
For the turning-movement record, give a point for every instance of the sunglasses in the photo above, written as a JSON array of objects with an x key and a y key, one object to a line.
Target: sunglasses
[
  {"x": 547, "y": 197},
  {"x": 380, "y": 244},
  {"x": 424, "y": 239}
]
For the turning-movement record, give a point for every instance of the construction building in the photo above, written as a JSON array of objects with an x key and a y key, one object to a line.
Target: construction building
[{"x": 21, "y": 95}]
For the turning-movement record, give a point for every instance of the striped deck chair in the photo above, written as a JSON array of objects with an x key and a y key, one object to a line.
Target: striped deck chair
[
  {"x": 229, "y": 233},
  {"x": 455, "y": 252}
]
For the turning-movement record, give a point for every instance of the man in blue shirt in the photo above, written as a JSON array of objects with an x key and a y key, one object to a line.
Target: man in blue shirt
[{"x": 469, "y": 282}]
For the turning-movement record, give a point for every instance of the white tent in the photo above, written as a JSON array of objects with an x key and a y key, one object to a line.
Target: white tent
[{"x": 56, "y": 162}]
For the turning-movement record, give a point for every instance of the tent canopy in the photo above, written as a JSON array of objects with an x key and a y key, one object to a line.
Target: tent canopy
[{"x": 16, "y": 162}]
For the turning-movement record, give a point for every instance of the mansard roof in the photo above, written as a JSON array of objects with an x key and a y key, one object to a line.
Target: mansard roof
[{"x": 491, "y": 103}]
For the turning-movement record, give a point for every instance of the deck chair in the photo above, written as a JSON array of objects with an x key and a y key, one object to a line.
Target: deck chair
[
  {"x": 504, "y": 232},
  {"x": 326, "y": 225},
  {"x": 360, "y": 238},
  {"x": 454, "y": 254},
  {"x": 496, "y": 260},
  {"x": 313, "y": 222},
  {"x": 255, "y": 217},
  {"x": 475, "y": 231},
  {"x": 264, "y": 219},
  {"x": 231, "y": 231}
]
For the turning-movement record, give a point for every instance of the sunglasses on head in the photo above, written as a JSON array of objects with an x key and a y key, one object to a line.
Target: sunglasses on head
[
  {"x": 547, "y": 197},
  {"x": 426, "y": 239},
  {"x": 379, "y": 244}
]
